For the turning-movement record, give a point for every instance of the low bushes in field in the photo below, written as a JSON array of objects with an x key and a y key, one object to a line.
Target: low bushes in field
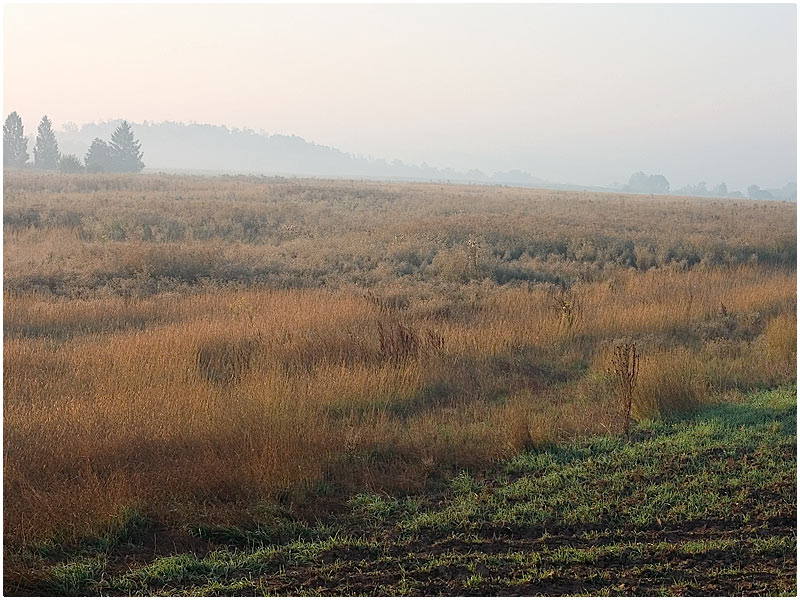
[
  {"x": 670, "y": 382},
  {"x": 68, "y": 236}
]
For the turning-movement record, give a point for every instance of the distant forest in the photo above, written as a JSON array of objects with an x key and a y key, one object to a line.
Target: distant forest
[
  {"x": 201, "y": 148},
  {"x": 641, "y": 183},
  {"x": 213, "y": 148}
]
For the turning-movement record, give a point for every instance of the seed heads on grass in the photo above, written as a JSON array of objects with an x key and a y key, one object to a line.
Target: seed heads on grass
[
  {"x": 567, "y": 309},
  {"x": 472, "y": 252}
]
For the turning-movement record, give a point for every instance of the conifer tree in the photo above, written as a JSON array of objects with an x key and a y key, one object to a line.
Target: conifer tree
[
  {"x": 126, "y": 153},
  {"x": 98, "y": 158},
  {"x": 15, "y": 144},
  {"x": 45, "y": 153}
]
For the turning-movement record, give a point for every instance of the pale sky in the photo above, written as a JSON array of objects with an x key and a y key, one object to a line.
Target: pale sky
[{"x": 583, "y": 94}]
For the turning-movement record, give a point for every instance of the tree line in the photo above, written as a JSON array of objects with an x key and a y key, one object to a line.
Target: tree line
[
  {"x": 122, "y": 154},
  {"x": 641, "y": 183}
]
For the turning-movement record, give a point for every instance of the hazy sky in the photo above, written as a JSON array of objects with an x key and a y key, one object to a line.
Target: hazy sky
[{"x": 572, "y": 93}]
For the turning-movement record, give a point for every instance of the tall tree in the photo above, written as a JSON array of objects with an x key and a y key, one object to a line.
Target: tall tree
[
  {"x": 756, "y": 193},
  {"x": 126, "y": 151},
  {"x": 45, "y": 153},
  {"x": 647, "y": 184},
  {"x": 15, "y": 144},
  {"x": 98, "y": 158}
]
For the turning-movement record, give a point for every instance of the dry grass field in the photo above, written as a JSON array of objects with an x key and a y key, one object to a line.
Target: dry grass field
[{"x": 200, "y": 349}]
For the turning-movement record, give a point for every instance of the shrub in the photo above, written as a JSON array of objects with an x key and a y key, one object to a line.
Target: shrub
[
  {"x": 70, "y": 163},
  {"x": 669, "y": 382}
]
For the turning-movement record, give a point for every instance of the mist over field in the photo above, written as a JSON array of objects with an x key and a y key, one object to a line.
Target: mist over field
[
  {"x": 399, "y": 300},
  {"x": 218, "y": 149},
  {"x": 565, "y": 94},
  {"x": 209, "y": 149}
]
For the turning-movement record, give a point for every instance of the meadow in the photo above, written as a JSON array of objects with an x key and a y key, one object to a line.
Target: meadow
[{"x": 185, "y": 355}]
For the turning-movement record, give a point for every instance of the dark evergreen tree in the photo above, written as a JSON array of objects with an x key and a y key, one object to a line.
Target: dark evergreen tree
[
  {"x": 98, "y": 158},
  {"x": 15, "y": 144},
  {"x": 45, "y": 153},
  {"x": 126, "y": 152}
]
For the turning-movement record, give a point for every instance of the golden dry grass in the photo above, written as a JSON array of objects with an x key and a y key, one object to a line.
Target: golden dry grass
[
  {"x": 140, "y": 235},
  {"x": 124, "y": 417},
  {"x": 781, "y": 340},
  {"x": 136, "y": 375}
]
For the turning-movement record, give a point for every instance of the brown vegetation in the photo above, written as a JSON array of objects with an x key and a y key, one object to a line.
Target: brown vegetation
[
  {"x": 196, "y": 346},
  {"x": 625, "y": 371}
]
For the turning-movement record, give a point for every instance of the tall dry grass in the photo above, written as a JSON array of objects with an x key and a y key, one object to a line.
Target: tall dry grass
[
  {"x": 196, "y": 347},
  {"x": 781, "y": 342},
  {"x": 108, "y": 404}
]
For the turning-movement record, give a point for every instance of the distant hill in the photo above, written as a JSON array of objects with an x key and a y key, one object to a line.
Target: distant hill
[{"x": 216, "y": 149}]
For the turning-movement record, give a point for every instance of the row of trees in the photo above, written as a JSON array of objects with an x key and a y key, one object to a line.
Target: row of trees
[
  {"x": 641, "y": 183},
  {"x": 702, "y": 189},
  {"x": 123, "y": 154}
]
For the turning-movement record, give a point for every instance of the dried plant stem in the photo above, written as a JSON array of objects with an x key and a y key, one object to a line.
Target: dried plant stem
[{"x": 625, "y": 368}]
